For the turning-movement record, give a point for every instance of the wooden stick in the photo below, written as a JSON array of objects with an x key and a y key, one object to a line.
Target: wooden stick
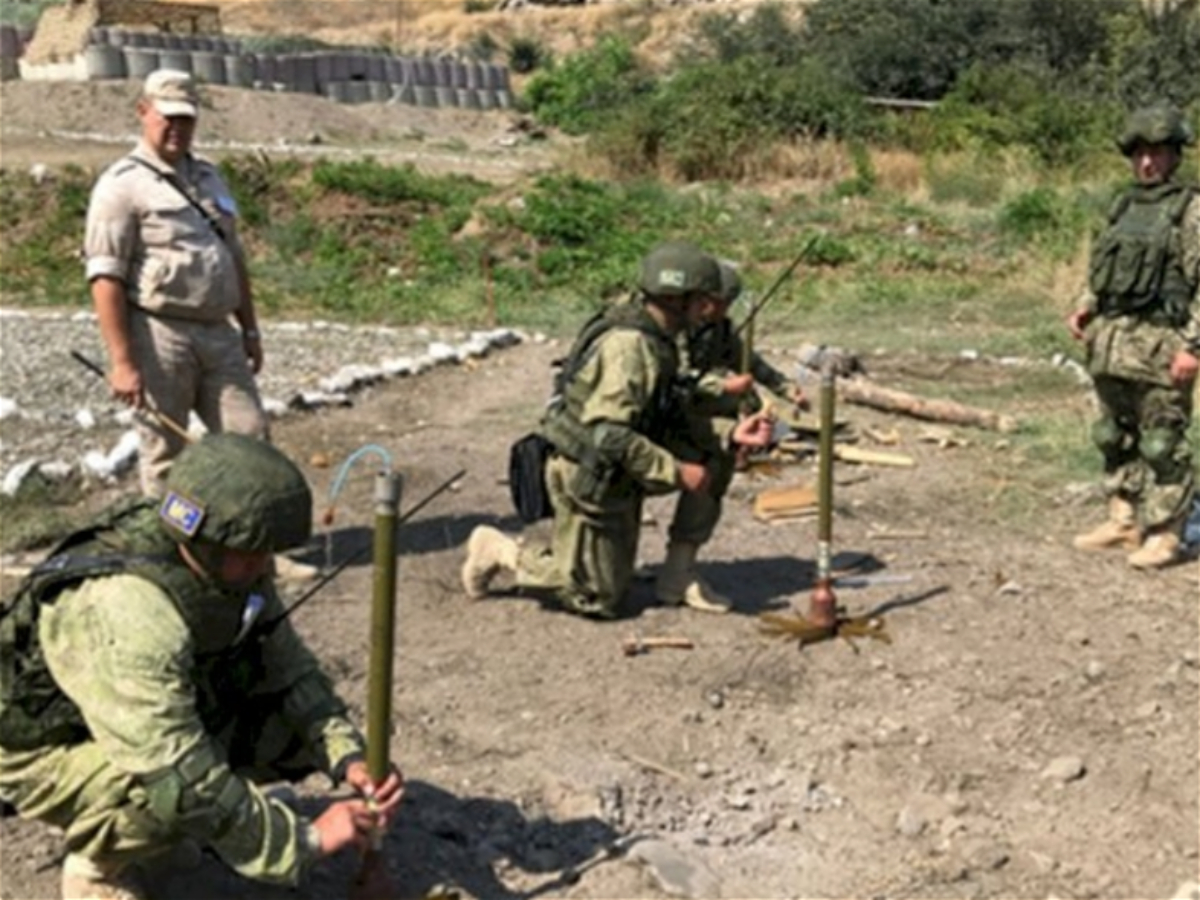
[
  {"x": 857, "y": 389},
  {"x": 655, "y": 767},
  {"x": 846, "y": 453},
  {"x": 633, "y": 645}
]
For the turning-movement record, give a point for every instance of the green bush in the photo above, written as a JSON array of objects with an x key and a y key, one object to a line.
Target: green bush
[
  {"x": 771, "y": 32},
  {"x": 1041, "y": 216},
  {"x": 577, "y": 93},
  {"x": 525, "y": 54},
  {"x": 713, "y": 120},
  {"x": 993, "y": 107}
]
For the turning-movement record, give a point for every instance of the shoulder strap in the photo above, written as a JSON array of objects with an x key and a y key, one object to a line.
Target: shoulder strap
[{"x": 174, "y": 182}]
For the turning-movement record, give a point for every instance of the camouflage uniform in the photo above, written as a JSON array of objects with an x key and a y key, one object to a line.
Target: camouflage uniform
[
  {"x": 1144, "y": 274},
  {"x": 713, "y": 352},
  {"x": 617, "y": 412},
  {"x": 138, "y": 711},
  {"x": 618, "y": 434},
  {"x": 167, "y": 234}
]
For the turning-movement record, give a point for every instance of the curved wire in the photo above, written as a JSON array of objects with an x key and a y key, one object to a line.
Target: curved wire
[{"x": 340, "y": 479}]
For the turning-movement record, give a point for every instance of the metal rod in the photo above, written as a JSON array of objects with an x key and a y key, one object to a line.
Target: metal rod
[
  {"x": 383, "y": 625},
  {"x": 160, "y": 418},
  {"x": 823, "y": 604},
  {"x": 748, "y": 322}
]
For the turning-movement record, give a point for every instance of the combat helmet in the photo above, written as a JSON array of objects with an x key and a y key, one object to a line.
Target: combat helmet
[
  {"x": 237, "y": 492},
  {"x": 1160, "y": 124},
  {"x": 731, "y": 281},
  {"x": 679, "y": 268}
]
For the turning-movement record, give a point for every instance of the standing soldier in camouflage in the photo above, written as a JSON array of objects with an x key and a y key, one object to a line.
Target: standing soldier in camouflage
[
  {"x": 722, "y": 392},
  {"x": 169, "y": 283},
  {"x": 616, "y": 416},
  {"x": 1141, "y": 322},
  {"x": 149, "y": 684}
]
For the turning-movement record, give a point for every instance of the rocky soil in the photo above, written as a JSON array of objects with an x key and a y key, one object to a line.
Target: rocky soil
[{"x": 1029, "y": 732}]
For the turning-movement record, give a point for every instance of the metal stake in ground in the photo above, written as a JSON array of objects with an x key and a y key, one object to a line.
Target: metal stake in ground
[
  {"x": 822, "y": 608},
  {"x": 823, "y": 620}
]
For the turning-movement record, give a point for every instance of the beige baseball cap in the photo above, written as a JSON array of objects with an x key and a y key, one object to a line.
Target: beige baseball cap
[{"x": 173, "y": 92}]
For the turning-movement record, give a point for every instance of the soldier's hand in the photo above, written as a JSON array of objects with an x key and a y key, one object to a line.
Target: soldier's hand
[
  {"x": 125, "y": 384},
  {"x": 1077, "y": 321},
  {"x": 798, "y": 397},
  {"x": 254, "y": 351},
  {"x": 386, "y": 795},
  {"x": 346, "y": 823},
  {"x": 754, "y": 431},
  {"x": 1184, "y": 366},
  {"x": 738, "y": 384},
  {"x": 694, "y": 477}
]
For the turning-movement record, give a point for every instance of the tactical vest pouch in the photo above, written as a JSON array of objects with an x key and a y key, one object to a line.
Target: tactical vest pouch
[
  {"x": 34, "y": 712},
  {"x": 527, "y": 477}
]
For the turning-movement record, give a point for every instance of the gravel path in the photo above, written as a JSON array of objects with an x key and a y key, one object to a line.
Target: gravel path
[{"x": 57, "y": 416}]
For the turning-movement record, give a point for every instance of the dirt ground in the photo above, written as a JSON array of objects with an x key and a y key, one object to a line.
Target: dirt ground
[
  {"x": 91, "y": 124},
  {"x": 1030, "y": 731}
]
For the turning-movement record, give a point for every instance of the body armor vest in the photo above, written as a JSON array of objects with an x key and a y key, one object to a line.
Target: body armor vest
[
  {"x": 714, "y": 347},
  {"x": 561, "y": 424},
  {"x": 34, "y": 712},
  {"x": 1137, "y": 264}
]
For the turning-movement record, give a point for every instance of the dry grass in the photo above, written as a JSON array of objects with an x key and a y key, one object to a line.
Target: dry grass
[
  {"x": 900, "y": 172},
  {"x": 430, "y": 26}
]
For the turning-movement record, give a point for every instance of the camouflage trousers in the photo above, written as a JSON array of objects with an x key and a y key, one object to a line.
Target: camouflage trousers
[
  {"x": 1148, "y": 459},
  {"x": 588, "y": 566},
  {"x": 106, "y": 814},
  {"x": 698, "y": 512}
]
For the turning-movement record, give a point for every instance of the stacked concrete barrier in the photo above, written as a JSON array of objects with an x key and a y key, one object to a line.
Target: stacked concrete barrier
[
  {"x": 239, "y": 70},
  {"x": 140, "y": 61},
  {"x": 103, "y": 62},
  {"x": 10, "y": 52},
  {"x": 208, "y": 66},
  {"x": 346, "y": 76}
]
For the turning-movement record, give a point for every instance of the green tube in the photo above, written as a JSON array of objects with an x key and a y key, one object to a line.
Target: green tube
[
  {"x": 825, "y": 478},
  {"x": 383, "y": 625}
]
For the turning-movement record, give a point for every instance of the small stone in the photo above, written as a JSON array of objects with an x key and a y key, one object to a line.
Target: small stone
[
  {"x": 703, "y": 770},
  {"x": 1064, "y": 769},
  {"x": 715, "y": 699},
  {"x": 910, "y": 822},
  {"x": 1146, "y": 710},
  {"x": 1094, "y": 670}
]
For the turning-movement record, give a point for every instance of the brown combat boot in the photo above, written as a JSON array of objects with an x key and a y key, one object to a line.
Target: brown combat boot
[
  {"x": 1120, "y": 530},
  {"x": 82, "y": 879},
  {"x": 1161, "y": 548},
  {"x": 489, "y": 552},
  {"x": 678, "y": 582}
]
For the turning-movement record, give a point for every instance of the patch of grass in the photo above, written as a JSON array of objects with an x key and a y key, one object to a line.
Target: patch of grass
[{"x": 40, "y": 514}]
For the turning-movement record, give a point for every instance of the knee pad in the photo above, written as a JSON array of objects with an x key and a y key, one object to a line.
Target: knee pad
[
  {"x": 1107, "y": 435},
  {"x": 1157, "y": 445},
  {"x": 1159, "y": 448}
]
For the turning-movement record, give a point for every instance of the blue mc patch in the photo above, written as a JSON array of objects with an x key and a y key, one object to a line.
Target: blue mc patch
[{"x": 181, "y": 513}]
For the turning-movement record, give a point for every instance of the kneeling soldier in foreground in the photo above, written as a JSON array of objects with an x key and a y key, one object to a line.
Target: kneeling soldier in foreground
[{"x": 140, "y": 707}]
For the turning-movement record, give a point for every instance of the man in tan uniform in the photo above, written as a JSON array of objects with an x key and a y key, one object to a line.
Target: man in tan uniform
[
  {"x": 151, "y": 685},
  {"x": 619, "y": 435},
  {"x": 168, "y": 279}
]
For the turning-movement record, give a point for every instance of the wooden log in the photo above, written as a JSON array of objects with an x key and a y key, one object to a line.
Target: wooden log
[
  {"x": 859, "y": 390},
  {"x": 872, "y": 457}
]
